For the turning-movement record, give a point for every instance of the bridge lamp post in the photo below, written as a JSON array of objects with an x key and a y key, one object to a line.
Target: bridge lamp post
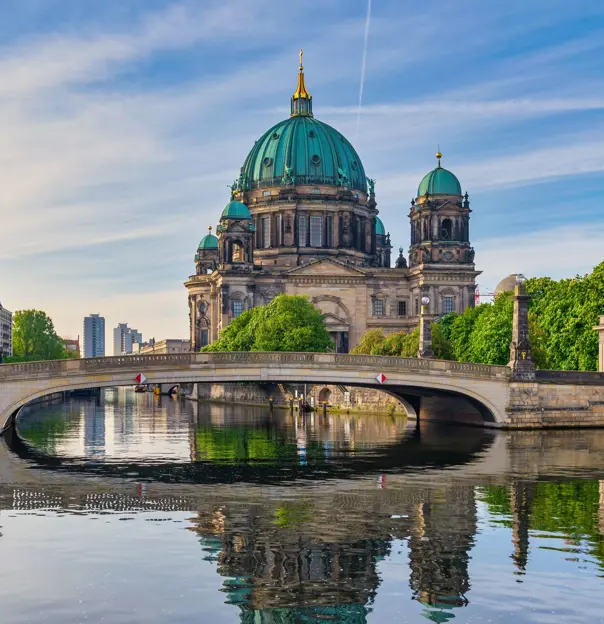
[{"x": 425, "y": 331}]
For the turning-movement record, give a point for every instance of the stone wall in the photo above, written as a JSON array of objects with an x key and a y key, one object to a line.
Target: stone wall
[
  {"x": 339, "y": 398},
  {"x": 541, "y": 404},
  {"x": 345, "y": 398}
]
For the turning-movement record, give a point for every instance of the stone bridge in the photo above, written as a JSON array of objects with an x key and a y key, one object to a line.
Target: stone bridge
[{"x": 430, "y": 389}]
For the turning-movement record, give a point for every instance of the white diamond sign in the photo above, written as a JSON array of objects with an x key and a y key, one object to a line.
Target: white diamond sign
[
  {"x": 381, "y": 378},
  {"x": 140, "y": 378}
]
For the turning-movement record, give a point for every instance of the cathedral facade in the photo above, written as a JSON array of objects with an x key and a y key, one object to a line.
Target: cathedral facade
[{"x": 303, "y": 220}]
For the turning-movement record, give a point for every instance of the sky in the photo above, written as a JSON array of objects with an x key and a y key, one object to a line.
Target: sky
[{"x": 123, "y": 122}]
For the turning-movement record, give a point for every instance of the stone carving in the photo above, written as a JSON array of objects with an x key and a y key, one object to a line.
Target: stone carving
[
  {"x": 287, "y": 179},
  {"x": 401, "y": 263},
  {"x": 342, "y": 177}
]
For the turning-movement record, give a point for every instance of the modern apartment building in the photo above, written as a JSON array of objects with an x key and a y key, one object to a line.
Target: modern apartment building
[
  {"x": 6, "y": 331},
  {"x": 94, "y": 336},
  {"x": 123, "y": 339}
]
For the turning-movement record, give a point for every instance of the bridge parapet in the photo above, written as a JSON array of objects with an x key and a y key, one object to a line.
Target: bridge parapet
[{"x": 180, "y": 360}]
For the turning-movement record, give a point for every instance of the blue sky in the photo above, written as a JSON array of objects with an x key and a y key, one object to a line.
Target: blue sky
[{"x": 122, "y": 122}]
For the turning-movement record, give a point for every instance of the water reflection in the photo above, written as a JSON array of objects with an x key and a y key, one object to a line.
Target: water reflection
[{"x": 306, "y": 519}]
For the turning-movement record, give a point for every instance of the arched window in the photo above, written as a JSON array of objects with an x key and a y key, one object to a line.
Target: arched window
[
  {"x": 446, "y": 229},
  {"x": 238, "y": 252}
]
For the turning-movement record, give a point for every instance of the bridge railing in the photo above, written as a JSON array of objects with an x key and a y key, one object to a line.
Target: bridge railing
[{"x": 570, "y": 377}]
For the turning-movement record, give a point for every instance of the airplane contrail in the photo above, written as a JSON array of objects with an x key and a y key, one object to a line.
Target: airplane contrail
[{"x": 363, "y": 66}]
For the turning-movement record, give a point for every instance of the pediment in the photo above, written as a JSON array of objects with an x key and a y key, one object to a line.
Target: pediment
[
  {"x": 332, "y": 319},
  {"x": 326, "y": 266}
]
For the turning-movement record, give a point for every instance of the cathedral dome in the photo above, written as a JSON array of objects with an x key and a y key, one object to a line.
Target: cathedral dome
[
  {"x": 439, "y": 182},
  {"x": 235, "y": 210},
  {"x": 380, "y": 230},
  {"x": 312, "y": 151},
  {"x": 507, "y": 284}
]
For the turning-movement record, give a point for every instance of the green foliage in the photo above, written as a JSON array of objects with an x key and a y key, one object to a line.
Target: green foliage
[
  {"x": 370, "y": 340},
  {"x": 402, "y": 344},
  {"x": 287, "y": 323},
  {"x": 567, "y": 310},
  {"x": 34, "y": 338},
  {"x": 570, "y": 508}
]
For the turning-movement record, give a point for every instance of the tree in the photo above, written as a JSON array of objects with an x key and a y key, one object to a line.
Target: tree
[
  {"x": 287, "y": 323},
  {"x": 403, "y": 344},
  {"x": 34, "y": 338},
  {"x": 567, "y": 310}
]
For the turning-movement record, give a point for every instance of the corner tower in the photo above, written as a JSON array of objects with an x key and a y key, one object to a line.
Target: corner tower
[
  {"x": 440, "y": 250},
  {"x": 440, "y": 221}
]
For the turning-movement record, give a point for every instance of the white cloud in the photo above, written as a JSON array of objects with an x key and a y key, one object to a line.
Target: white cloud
[{"x": 556, "y": 252}]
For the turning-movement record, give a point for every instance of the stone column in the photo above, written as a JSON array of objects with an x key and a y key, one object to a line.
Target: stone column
[
  {"x": 425, "y": 331},
  {"x": 521, "y": 357},
  {"x": 600, "y": 329}
]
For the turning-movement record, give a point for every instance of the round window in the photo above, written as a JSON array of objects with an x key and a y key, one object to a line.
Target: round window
[
  {"x": 275, "y": 136},
  {"x": 312, "y": 134},
  {"x": 267, "y": 161},
  {"x": 355, "y": 164},
  {"x": 316, "y": 159}
]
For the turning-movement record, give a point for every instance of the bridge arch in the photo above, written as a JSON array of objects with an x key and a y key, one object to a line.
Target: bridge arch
[{"x": 431, "y": 387}]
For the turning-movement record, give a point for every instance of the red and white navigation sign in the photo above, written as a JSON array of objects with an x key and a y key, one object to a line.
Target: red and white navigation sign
[
  {"x": 381, "y": 378},
  {"x": 140, "y": 378}
]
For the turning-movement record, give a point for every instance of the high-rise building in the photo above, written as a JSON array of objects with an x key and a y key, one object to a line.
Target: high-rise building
[
  {"x": 94, "y": 336},
  {"x": 6, "y": 331},
  {"x": 123, "y": 339}
]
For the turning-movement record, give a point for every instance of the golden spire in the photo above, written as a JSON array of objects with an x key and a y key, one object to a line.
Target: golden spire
[
  {"x": 439, "y": 156},
  {"x": 301, "y": 91}
]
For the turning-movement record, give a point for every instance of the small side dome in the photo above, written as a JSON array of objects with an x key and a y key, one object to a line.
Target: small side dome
[
  {"x": 439, "y": 182},
  {"x": 236, "y": 210},
  {"x": 208, "y": 242},
  {"x": 380, "y": 230},
  {"x": 507, "y": 284}
]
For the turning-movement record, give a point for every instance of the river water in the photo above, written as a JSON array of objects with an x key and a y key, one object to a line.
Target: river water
[{"x": 131, "y": 508}]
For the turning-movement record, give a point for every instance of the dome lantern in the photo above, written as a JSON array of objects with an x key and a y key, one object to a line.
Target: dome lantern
[{"x": 301, "y": 100}]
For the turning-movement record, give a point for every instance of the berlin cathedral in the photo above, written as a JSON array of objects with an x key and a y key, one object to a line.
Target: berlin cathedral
[{"x": 303, "y": 220}]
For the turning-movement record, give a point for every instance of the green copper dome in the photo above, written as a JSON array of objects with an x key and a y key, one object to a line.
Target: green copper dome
[
  {"x": 439, "y": 182},
  {"x": 380, "y": 230},
  {"x": 235, "y": 210},
  {"x": 313, "y": 152},
  {"x": 209, "y": 241}
]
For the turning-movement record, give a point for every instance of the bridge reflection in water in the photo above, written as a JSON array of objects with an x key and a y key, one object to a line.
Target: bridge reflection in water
[{"x": 327, "y": 502}]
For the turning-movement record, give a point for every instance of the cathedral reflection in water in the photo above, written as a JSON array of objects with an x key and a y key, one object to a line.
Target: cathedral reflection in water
[{"x": 298, "y": 572}]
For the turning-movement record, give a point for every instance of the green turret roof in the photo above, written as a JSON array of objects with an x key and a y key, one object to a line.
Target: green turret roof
[
  {"x": 209, "y": 241},
  {"x": 380, "y": 230},
  {"x": 236, "y": 210},
  {"x": 439, "y": 182}
]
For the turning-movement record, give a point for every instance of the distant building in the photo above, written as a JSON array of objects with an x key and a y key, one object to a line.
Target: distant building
[
  {"x": 72, "y": 345},
  {"x": 124, "y": 338},
  {"x": 93, "y": 336},
  {"x": 168, "y": 345},
  {"x": 6, "y": 331}
]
